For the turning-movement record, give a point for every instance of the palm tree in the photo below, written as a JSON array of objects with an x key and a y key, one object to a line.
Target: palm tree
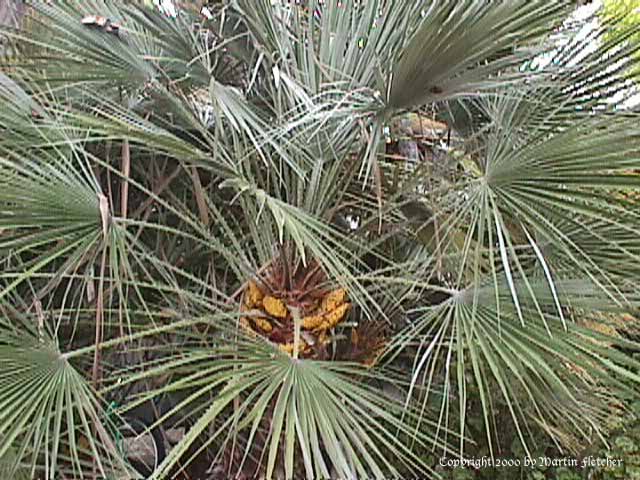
[{"x": 312, "y": 239}]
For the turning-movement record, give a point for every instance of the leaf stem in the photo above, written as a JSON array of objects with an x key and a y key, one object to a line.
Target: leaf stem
[{"x": 297, "y": 323}]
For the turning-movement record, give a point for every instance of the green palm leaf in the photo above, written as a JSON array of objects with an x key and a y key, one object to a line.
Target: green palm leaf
[{"x": 50, "y": 410}]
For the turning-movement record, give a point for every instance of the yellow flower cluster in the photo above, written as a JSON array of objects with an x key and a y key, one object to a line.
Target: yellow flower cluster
[{"x": 268, "y": 310}]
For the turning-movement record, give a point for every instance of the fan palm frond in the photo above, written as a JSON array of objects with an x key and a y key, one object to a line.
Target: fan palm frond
[{"x": 53, "y": 421}]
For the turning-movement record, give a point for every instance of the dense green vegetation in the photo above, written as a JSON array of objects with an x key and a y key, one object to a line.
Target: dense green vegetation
[
  {"x": 317, "y": 239},
  {"x": 624, "y": 16}
]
